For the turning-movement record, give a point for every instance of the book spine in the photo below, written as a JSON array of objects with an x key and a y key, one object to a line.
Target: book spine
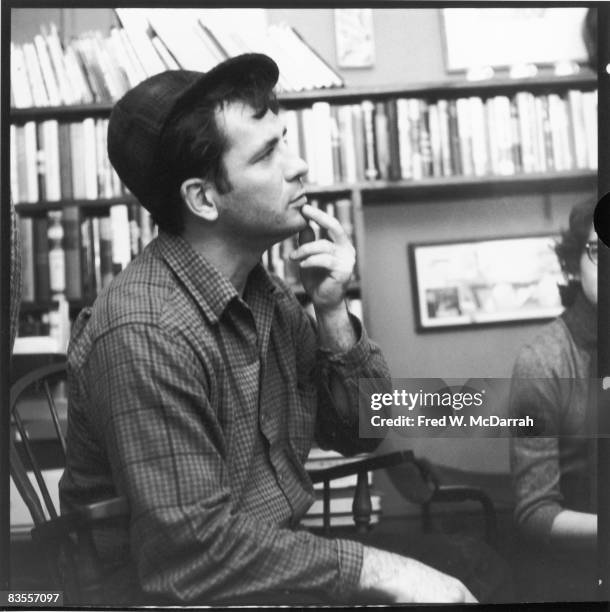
[
  {"x": 105, "y": 242},
  {"x": 41, "y": 259},
  {"x": 368, "y": 115},
  {"x": 28, "y": 252},
  {"x": 382, "y": 143},
  {"x": 394, "y": 173},
  {"x": 73, "y": 253},
  {"x": 57, "y": 256}
]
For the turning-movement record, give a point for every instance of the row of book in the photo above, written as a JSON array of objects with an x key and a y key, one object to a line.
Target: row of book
[
  {"x": 394, "y": 139},
  {"x": 341, "y": 492},
  {"x": 52, "y": 161},
  {"x": 100, "y": 68},
  {"x": 414, "y": 138},
  {"x": 66, "y": 252}
]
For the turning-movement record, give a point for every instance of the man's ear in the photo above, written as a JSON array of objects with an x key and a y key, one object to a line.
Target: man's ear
[{"x": 199, "y": 198}]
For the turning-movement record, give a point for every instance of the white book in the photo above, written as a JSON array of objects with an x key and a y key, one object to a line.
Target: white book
[
  {"x": 309, "y": 132},
  {"x": 37, "y": 85},
  {"x": 20, "y": 85},
  {"x": 77, "y": 77},
  {"x": 31, "y": 159},
  {"x": 135, "y": 23},
  {"x": 342, "y": 505},
  {"x": 464, "y": 121},
  {"x": 347, "y": 143},
  {"x": 323, "y": 155},
  {"x": 14, "y": 169},
  {"x": 577, "y": 126},
  {"x": 590, "y": 116},
  {"x": 48, "y": 73},
  {"x": 67, "y": 93},
  {"x": 523, "y": 102},
  {"x": 480, "y": 161},
  {"x": 542, "y": 164},
  {"x": 176, "y": 28},
  {"x": 404, "y": 138},
  {"x": 138, "y": 72},
  {"x": 89, "y": 152},
  {"x": 52, "y": 178}
]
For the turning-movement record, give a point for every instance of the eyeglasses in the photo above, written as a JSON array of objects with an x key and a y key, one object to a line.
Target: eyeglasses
[{"x": 591, "y": 249}]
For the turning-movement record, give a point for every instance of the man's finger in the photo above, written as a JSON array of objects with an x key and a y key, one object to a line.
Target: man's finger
[
  {"x": 322, "y": 260},
  {"x": 330, "y": 224},
  {"x": 313, "y": 248}
]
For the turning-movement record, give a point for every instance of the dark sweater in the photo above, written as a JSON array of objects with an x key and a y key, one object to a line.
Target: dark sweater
[{"x": 552, "y": 381}]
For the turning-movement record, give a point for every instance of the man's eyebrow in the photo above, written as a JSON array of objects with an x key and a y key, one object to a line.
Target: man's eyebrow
[{"x": 269, "y": 144}]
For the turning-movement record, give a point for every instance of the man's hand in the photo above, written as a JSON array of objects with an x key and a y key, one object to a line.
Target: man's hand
[
  {"x": 326, "y": 265},
  {"x": 400, "y": 579}
]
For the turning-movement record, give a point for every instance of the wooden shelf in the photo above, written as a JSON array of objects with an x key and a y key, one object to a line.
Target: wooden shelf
[
  {"x": 449, "y": 187},
  {"x": 344, "y": 95},
  {"x": 374, "y": 191}
]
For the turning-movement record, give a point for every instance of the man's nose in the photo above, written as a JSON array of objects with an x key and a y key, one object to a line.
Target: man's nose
[{"x": 296, "y": 166}]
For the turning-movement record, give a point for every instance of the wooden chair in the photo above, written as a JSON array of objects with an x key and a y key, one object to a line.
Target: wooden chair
[{"x": 67, "y": 539}]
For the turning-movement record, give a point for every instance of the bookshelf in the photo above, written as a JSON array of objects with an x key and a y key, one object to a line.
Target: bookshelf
[{"x": 363, "y": 188}]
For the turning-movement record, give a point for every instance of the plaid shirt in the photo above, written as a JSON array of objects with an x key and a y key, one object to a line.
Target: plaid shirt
[{"x": 200, "y": 407}]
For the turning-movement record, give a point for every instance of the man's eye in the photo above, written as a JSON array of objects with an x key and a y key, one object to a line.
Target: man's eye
[{"x": 266, "y": 154}]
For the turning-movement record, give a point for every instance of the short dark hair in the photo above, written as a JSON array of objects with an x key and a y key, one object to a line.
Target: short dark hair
[
  {"x": 192, "y": 144},
  {"x": 571, "y": 246}
]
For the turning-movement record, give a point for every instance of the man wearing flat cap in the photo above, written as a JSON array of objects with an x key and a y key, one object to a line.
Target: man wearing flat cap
[{"x": 197, "y": 383}]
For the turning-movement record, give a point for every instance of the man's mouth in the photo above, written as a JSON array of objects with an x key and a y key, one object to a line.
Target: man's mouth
[{"x": 299, "y": 200}]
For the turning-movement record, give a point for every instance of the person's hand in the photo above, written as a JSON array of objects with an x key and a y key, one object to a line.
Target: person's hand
[
  {"x": 326, "y": 265},
  {"x": 399, "y": 579}
]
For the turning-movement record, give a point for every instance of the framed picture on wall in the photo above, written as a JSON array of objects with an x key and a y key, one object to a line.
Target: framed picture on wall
[
  {"x": 501, "y": 37},
  {"x": 354, "y": 39},
  {"x": 482, "y": 282}
]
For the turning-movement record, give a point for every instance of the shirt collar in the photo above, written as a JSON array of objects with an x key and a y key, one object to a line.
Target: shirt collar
[{"x": 211, "y": 290}]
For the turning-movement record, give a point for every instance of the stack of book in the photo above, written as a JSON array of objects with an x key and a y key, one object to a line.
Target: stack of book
[
  {"x": 101, "y": 68},
  {"x": 342, "y": 492},
  {"x": 416, "y": 138}
]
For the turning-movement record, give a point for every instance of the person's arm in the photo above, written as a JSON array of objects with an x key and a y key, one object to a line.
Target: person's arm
[
  {"x": 188, "y": 539},
  {"x": 535, "y": 462},
  {"x": 345, "y": 354}
]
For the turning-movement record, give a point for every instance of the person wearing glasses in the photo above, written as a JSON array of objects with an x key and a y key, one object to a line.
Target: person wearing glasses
[{"x": 554, "y": 469}]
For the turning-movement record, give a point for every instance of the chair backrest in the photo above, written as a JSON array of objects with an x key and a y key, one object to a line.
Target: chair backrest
[{"x": 35, "y": 391}]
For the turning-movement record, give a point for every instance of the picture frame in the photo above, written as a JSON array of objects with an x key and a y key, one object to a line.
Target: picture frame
[
  {"x": 490, "y": 35},
  {"x": 354, "y": 37},
  {"x": 484, "y": 281}
]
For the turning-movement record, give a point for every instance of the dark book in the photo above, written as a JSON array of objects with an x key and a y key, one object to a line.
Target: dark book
[
  {"x": 105, "y": 237},
  {"x": 65, "y": 161},
  {"x": 454, "y": 138},
  {"x": 88, "y": 287},
  {"x": 42, "y": 287},
  {"x": 394, "y": 173},
  {"x": 26, "y": 235},
  {"x": 72, "y": 249}
]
